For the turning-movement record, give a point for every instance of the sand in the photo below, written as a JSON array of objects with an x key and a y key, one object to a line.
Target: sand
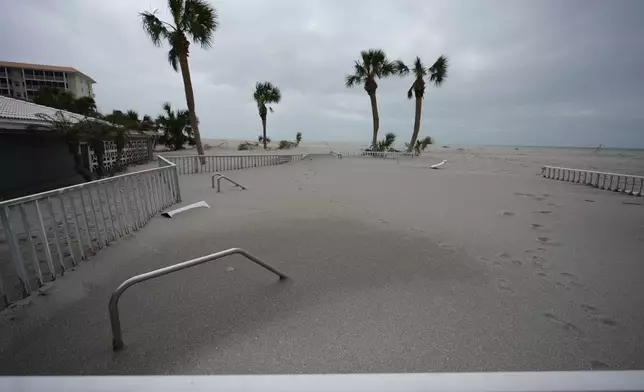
[{"x": 482, "y": 265}]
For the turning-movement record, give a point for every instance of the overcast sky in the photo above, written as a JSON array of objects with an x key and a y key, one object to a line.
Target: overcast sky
[{"x": 521, "y": 73}]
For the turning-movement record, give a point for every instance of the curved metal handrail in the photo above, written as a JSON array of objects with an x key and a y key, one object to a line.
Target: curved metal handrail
[
  {"x": 117, "y": 337},
  {"x": 219, "y": 177}
]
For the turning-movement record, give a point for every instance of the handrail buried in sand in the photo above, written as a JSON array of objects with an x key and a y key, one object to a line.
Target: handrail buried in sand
[
  {"x": 117, "y": 337},
  {"x": 597, "y": 179},
  {"x": 219, "y": 177}
]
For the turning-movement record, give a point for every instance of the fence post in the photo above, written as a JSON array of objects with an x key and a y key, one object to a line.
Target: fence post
[{"x": 16, "y": 256}]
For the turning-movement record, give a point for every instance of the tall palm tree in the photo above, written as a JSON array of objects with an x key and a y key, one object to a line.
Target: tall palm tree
[
  {"x": 373, "y": 65},
  {"x": 437, "y": 75},
  {"x": 265, "y": 94},
  {"x": 195, "y": 20}
]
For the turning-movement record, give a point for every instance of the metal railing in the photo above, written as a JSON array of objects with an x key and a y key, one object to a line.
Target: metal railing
[
  {"x": 115, "y": 321},
  {"x": 625, "y": 183},
  {"x": 219, "y": 176},
  {"x": 190, "y": 164},
  {"x": 48, "y": 233}
]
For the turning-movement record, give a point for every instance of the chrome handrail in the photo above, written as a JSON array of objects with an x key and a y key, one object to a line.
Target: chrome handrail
[
  {"x": 220, "y": 176},
  {"x": 117, "y": 337}
]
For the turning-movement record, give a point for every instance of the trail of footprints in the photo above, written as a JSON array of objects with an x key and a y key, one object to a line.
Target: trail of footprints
[{"x": 537, "y": 259}]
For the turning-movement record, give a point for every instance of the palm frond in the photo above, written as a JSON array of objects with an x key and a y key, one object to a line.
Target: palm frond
[
  {"x": 387, "y": 68},
  {"x": 173, "y": 58},
  {"x": 360, "y": 69},
  {"x": 410, "y": 92},
  {"x": 154, "y": 27},
  {"x": 176, "y": 10},
  {"x": 199, "y": 22},
  {"x": 400, "y": 68},
  {"x": 438, "y": 71},
  {"x": 352, "y": 80},
  {"x": 419, "y": 68}
]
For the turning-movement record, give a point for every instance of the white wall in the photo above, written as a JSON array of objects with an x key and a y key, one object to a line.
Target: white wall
[{"x": 79, "y": 85}]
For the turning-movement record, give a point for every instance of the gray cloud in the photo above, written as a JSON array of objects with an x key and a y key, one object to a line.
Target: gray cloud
[{"x": 542, "y": 72}]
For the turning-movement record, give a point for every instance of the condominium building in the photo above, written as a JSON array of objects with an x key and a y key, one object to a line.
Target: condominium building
[{"x": 23, "y": 80}]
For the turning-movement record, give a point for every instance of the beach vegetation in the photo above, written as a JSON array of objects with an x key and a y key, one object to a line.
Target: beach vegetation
[
  {"x": 437, "y": 73},
  {"x": 175, "y": 127},
  {"x": 192, "y": 21},
  {"x": 373, "y": 64},
  {"x": 265, "y": 95}
]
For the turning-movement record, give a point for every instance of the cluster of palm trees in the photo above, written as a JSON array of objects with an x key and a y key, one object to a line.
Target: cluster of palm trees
[
  {"x": 374, "y": 65},
  {"x": 196, "y": 21}
]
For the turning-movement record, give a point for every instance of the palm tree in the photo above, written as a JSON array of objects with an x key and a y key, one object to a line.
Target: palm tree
[
  {"x": 265, "y": 94},
  {"x": 387, "y": 143},
  {"x": 175, "y": 126},
  {"x": 421, "y": 145},
  {"x": 195, "y": 20},
  {"x": 374, "y": 65},
  {"x": 437, "y": 75}
]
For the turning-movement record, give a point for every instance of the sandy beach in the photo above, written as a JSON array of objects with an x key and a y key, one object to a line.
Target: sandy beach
[{"x": 482, "y": 265}]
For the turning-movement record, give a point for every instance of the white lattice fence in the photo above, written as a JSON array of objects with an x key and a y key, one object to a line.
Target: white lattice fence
[{"x": 135, "y": 151}]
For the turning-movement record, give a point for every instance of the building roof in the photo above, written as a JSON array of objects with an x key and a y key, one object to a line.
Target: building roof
[
  {"x": 11, "y": 64},
  {"x": 19, "y": 114},
  {"x": 17, "y": 109}
]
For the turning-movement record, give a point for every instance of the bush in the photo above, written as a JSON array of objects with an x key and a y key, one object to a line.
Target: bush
[
  {"x": 285, "y": 145},
  {"x": 245, "y": 146}
]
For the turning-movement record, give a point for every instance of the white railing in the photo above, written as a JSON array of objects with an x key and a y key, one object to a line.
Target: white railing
[
  {"x": 47, "y": 233},
  {"x": 190, "y": 164},
  {"x": 625, "y": 183}
]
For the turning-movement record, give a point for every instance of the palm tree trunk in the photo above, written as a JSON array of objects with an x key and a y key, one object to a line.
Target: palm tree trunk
[
  {"x": 264, "y": 130},
  {"x": 376, "y": 119},
  {"x": 190, "y": 100},
  {"x": 419, "y": 109}
]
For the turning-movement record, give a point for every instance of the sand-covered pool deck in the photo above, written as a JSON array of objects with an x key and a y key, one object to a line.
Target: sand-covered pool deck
[{"x": 481, "y": 266}]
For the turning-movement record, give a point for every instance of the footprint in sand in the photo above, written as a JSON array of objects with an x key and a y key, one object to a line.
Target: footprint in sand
[
  {"x": 540, "y": 262},
  {"x": 596, "y": 315},
  {"x": 536, "y": 250},
  {"x": 519, "y": 194},
  {"x": 564, "y": 324},
  {"x": 488, "y": 261},
  {"x": 504, "y": 286},
  {"x": 589, "y": 200},
  {"x": 631, "y": 203},
  {"x": 539, "y": 198},
  {"x": 543, "y": 212},
  {"x": 571, "y": 280},
  {"x": 590, "y": 309},
  {"x": 504, "y": 256},
  {"x": 517, "y": 262},
  {"x": 507, "y": 213},
  {"x": 547, "y": 241},
  {"x": 543, "y": 275},
  {"x": 545, "y": 194},
  {"x": 536, "y": 226},
  {"x": 384, "y": 221}
]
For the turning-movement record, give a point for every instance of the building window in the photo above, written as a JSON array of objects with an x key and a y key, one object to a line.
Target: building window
[
  {"x": 19, "y": 95},
  {"x": 16, "y": 84}
]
